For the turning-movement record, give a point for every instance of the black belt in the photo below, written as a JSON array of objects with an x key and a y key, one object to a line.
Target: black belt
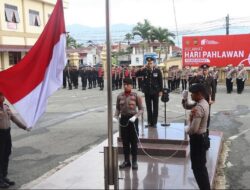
[
  {"x": 129, "y": 115},
  {"x": 199, "y": 135}
]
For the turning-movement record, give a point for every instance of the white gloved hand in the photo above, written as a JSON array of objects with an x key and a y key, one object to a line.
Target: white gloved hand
[
  {"x": 186, "y": 128},
  {"x": 184, "y": 94},
  {"x": 115, "y": 120},
  {"x": 243, "y": 80},
  {"x": 232, "y": 80},
  {"x": 132, "y": 119}
]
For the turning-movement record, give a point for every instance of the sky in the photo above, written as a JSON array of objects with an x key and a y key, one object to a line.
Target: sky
[{"x": 160, "y": 13}]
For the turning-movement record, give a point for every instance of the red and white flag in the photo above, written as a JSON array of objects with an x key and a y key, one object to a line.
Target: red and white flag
[{"x": 28, "y": 84}]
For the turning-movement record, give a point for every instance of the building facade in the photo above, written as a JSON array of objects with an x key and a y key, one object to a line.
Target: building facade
[
  {"x": 162, "y": 51},
  {"x": 21, "y": 23}
]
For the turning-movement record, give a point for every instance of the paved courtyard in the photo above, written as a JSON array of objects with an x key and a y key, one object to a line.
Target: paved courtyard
[{"x": 77, "y": 120}]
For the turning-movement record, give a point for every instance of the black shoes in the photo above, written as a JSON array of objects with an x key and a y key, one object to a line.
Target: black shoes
[
  {"x": 3, "y": 185},
  {"x": 8, "y": 181},
  {"x": 154, "y": 126},
  {"x": 128, "y": 165},
  {"x": 125, "y": 164},
  {"x": 134, "y": 166}
]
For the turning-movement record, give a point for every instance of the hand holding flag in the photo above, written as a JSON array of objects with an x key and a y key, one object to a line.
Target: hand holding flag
[{"x": 38, "y": 75}]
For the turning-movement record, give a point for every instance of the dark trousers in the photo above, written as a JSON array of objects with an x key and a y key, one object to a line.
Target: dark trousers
[
  {"x": 120, "y": 83},
  {"x": 113, "y": 83},
  {"x": 101, "y": 82},
  {"x": 229, "y": 85},
  {"x": 139, "y": 83},
  {"x": 198, "y": 161},
  {"x": 215, "y": 85},
  {"x": 170, "y": 87},
  {"x": 84, "y": 82},
  {"x": 184, "y": 84},
  {"x": 90, "y": 82},
  {"x": 68, "y": 79},
  {"x": 129, "y": 132},
  {"x": 75, "y": 81},
  {"x": 116, "y": 82},
  {"x": 94, "y": 82},
  {"x": 64, "y": 81},
  {"x": 240, "y": 85},
  {"x": 134, "y": 82},
  {"x": 152, "y": 104},
  {"x": 5, "y": 151}
]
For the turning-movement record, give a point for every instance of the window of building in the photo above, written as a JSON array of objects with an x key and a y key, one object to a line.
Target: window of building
[
  {"x": 34, "y": 18},
  {"x": 137, "y": 59},
  {"x": 11, "y": 13},
  {"x": 14, "y": 57}
]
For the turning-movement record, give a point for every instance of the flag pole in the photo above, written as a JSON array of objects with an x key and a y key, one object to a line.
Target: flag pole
[{"x": 110, "y": 152}]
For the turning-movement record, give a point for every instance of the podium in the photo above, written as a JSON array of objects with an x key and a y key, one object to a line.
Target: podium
[{"x": 169, "y": 141}]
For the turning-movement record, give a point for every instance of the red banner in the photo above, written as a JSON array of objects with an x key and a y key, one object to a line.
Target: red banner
[{"x": 216, "y": 50}]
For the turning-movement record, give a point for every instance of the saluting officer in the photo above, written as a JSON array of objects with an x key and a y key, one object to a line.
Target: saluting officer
[
  {"x": 126, "y": 106},
  {"x": 199, "y": 142},
  {"x": 152, "y": 88}
]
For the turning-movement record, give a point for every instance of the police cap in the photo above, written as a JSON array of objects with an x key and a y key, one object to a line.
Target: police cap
[
  {"x": 150, "y": 58},
  {"x": 127, "y": 81},
  {"x": 204, "y": 66},
  {"x": 197, "y": 87}
]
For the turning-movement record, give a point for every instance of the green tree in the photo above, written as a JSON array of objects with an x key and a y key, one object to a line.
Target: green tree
[
  {"x": 143, "y": 30},
  {"x": 164, "y": 37},
  {"x": 72, "y": 43},
  {"x": 129, "y": 37}
]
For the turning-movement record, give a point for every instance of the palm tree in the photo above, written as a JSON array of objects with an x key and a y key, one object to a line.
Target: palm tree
[
  {"x": 164, "y": 37},
  {"x": 72, "y": 43},
  {"x": 129, "y": 37},
  {"x": 143, "y": 30}
]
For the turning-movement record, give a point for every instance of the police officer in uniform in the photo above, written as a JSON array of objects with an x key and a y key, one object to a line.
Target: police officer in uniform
[
  {"x": 152, "y": 88},
  {"x": 84, "y": 75},
  {"x": 198, "y": 136},
  {"x": 241, "y": 78},
  {"x": 208, "y": 82},
  {"x": 230, "y": 73},
  {"x": 126, "y": 106},
  {"x": 6, "y": 116}
]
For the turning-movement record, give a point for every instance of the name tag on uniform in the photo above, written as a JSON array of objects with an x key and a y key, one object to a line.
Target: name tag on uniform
[{"x": 155, "y": 74}]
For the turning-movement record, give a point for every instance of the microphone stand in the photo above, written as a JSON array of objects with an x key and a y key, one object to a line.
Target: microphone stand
[{"x": 165, "y": 103}]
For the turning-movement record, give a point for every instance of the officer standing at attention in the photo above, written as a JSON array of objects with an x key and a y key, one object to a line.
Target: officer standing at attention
[
  {"x": 208, "y": 82},
  {"x": 126, "y": 106},
  {"x": 199, "y": 142},
  {"x": 5, "y": 141},
  {"x": 152, "y": 88},
  {"x": 230, "y": 75}
]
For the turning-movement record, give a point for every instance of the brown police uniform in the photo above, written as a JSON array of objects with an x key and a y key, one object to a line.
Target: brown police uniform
[{"x": 126, "y": 106}]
